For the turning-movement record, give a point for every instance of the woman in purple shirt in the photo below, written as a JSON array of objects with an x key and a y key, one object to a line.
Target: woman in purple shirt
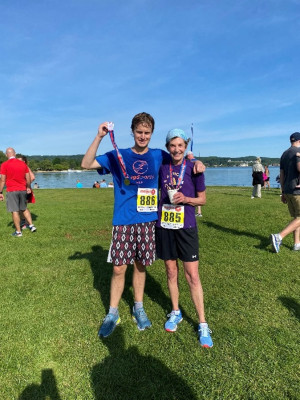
[{"x": 176, "y": 229}]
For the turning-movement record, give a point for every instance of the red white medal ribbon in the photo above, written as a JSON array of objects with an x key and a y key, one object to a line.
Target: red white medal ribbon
[
  {"x": 110, "y": 127},
  {"x": 181, "y": 175}
]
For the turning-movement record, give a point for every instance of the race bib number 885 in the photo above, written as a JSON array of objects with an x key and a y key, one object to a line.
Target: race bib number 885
[{"x": 172, "y": 216}]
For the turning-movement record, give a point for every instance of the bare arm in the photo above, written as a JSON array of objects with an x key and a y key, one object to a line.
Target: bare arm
[
  {"x": 88, "y": 160},
  {"x": 283, "y": 199},
  {"x": 281, "y": 179},
  {"x": 28, "y": 182},
  {"x": 198, "y": 167},
  {"x": 31, "y": 174},
  {"x": 200, "y": 200},
  {"x": 2, "y": 183},
  {"x": 298, "y": 162}
]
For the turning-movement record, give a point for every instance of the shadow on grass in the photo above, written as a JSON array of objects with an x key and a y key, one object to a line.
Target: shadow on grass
[
  {"x": 47, "y": 390},
  {"x": 127, "y": 375},
  {"x": 102, "y": 272},
  {"x": 264, "y": 241},
  {"x": 292, "y": 305},
  {"x": 33, "y": 216}
]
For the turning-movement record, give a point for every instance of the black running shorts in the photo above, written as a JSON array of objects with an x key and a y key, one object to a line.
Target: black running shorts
[{"x": 177, "y": 243}]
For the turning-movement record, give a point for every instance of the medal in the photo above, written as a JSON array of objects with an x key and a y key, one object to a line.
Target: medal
[
  {"x": 181, "y": 175},
  {"x": 127, "y": 181}
]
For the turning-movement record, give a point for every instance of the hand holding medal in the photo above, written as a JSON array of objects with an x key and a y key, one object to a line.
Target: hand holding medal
[{"x": 103, "y": 130}]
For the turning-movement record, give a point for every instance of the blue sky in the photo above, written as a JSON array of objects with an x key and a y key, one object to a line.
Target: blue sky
[{"x": 229, "y": 67}]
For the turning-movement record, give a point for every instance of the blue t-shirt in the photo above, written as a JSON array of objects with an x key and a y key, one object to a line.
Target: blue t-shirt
[{"x": 142, "y": 170}]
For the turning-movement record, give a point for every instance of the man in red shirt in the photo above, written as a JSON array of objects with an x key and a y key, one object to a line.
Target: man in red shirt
[{"x": 15, "y": 175}]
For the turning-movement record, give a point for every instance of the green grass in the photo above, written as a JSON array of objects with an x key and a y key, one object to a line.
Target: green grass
[{"x": 55, "y": 290}]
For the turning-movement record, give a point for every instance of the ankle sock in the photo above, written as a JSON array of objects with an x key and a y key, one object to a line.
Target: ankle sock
[
  {"x": 138, "y": 305},
  {"x": 113, "y": 310}
]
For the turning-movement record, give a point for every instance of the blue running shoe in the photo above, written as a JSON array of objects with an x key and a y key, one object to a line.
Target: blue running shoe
[
  {"x": 108, "y": 325},
  {"x": 17, "y": 234},
  {"x": 276, "y": 242},
  {"x": 173, "y": 321},
  {"x": 204, "y": 336},
  {"x": 140, "y": 318}
]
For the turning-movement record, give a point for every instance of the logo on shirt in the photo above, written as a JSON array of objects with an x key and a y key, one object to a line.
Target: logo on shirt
[{"x": 140, "y": 167}]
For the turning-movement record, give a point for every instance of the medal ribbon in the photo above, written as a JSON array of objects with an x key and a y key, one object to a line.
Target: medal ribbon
[
  {"x": 120, "y": 158},
  {"x": 181, "y": 174}
]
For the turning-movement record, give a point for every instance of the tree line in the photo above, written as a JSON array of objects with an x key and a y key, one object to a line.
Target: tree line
[
  {"x": 63, "y": 163},
  {"x": 214, "y": 161},
  {"x": 50, "y": 163}
]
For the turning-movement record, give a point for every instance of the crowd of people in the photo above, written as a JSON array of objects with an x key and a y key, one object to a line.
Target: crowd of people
[{"x": 147, "y": 226}]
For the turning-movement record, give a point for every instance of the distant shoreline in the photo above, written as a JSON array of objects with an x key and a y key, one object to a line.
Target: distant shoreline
[{"x": 65, "y": 171}]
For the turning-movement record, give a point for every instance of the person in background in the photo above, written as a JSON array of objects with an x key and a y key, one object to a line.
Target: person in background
[
  {"x": 36, "y": 186},
  {"x": 266, "y": 176},
  {"x": 290, "y": 192},
  {"x": 15, "y": 175},
  {"x": 96, "y": 185},
  {"x": 177, "y": 232},
  {"x": 79, "y": 184},
  {"x": 103, "y": 184},
  {"x": 278, "y": 181},
  {"x": 30, "y": 198},
  {"x": 190, "y": 156},
  {"x": 257, "y": 175}
]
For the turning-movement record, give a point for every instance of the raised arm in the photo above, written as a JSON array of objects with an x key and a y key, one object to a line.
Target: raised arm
[{"x": 88, "y": 160}]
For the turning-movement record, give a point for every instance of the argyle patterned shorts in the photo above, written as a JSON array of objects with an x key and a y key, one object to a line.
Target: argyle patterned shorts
[{"x": 133, "y": 242}]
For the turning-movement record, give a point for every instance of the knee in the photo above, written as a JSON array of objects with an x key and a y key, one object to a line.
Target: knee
[
  {"x": 119, "y": 270},
  {"x": 172, "y": 271},
  {"x": 193, "y": 278},
  {"x": 139, "y": 267}
]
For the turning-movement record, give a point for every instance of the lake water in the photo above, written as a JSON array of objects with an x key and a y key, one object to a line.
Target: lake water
[{"x": 233, "y": 176}]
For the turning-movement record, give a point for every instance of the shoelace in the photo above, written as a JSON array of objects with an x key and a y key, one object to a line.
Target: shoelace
[
  {"x": 109, "y": 317},
  {"x": 205, "y": 331},
  {"x": 172, "y": 316},
  {"x": 141, "y": 314}
]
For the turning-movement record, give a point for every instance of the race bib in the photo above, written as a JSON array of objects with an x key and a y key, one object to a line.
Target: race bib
[
  {"x": 146, "y": 200},
  {"x": 172, "y": 216}
]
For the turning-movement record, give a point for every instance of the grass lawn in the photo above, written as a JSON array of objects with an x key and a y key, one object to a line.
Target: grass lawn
[{"x": 55, "y": 291}]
